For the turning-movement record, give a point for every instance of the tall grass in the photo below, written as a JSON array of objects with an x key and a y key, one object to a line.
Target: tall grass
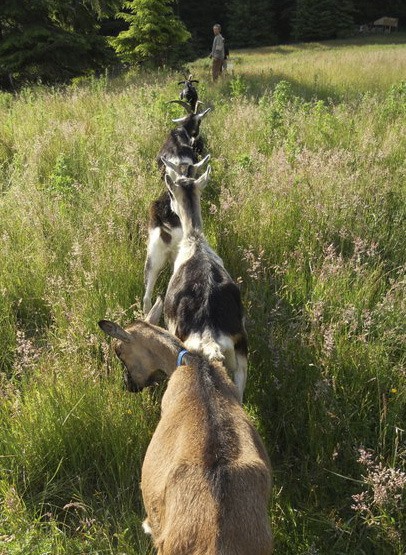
[
  {"x": 332, "y": 69},
  {"x": 307, "y": 209}
]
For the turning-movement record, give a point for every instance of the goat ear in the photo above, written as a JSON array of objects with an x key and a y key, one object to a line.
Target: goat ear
[
  {"x": 204, "y": 179},
  {"x": 169, "y": 182},
  {"x": 200, "y": 164},
  {"x": 114, "y": 330},
  {"x": 154, "y": 314},
  {"x": 168, "y": 164},
  {"x": 171, "y": 169}
]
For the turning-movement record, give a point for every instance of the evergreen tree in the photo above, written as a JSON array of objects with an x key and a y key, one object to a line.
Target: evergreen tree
[
  {"x": 305, "y": 22},
  {"x": 284, "y": 11},
  {"x": 344, "y": 18},
  {"x": 251, "y": 22},
  {"x": 199, "y": 16},
  {"x": 51, "y": 40},
  {"x": 322, "y": 19},
  {"x": 153, "y": 35}
]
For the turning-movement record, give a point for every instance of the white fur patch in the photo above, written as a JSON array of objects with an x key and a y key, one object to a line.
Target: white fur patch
[
  {"x": 177, "y": 236},
  {"x": 146, "y": 527},
  {"x": 156, "y": 246},
  {"x": 223, "y": 350},
  {"x": 158, "y": 254},
  {"x": 186, "y": 250},
  {"x": 240, "y": 375},
  {"x": 207, "y": 345}
]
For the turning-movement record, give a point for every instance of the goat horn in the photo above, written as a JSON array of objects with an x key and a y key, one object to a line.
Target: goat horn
[
  {"x": 197, "y": 105},
  {"x": 180, "y": 120},
  {"x": 184, "y": 104},
  {"x": 202, "y": 114}
]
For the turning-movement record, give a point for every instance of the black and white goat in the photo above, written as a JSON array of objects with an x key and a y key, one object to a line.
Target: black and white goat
[
  {"x": 180, "y": 145},
  {"x": 164, "y": 227},
  {"x": 203, "y": 304},
  {"x": 189, "y": 92}
]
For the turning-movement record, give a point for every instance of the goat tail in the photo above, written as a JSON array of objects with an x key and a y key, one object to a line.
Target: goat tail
[
  {"x": 213, "y": 352},
  {"x": 205, "y": 345}
]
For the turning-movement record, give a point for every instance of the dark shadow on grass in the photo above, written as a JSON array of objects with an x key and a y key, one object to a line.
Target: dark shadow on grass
[
  {"x": 368, "y": 40},
  {"x": 356, "y": 40},
  {"x": 257, "y": 84},
  {"x": 264, "y": 82}
]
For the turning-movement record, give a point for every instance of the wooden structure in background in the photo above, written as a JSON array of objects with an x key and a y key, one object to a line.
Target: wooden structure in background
[{"x": 388, "y": 23}]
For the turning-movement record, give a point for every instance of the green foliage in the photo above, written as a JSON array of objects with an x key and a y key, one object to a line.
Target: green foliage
[
  {"x": 238, "y": 87},
  {"x": 51, "y": 40},
  {"x": 153, "y": 35},
  {"x": 60, "y": 181},
  {"x": 322, "y": 19},
  {"x": 67, "y": 481},
  {"x": 199, "y": 18},
  {"x": 250, "y": 23}
]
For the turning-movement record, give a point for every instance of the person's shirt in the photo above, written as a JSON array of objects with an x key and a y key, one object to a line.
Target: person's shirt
[{"x": 217, "y": 51}]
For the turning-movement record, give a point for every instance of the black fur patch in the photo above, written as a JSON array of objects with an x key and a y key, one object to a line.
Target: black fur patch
[
  {"x": 202, "y": 295},
  {"x": 177, "y": 145},
  {"x": 241, "y": 346},
  {"x": 192, "y": 125},
  {"x": 165, "y": 236},
  {"x": 189, "y": 93},
  {"x": 130, "y": 384},
  {"x": 198, "y": 145},
  {"x": 161, "y": 213},
  {"x": 222, "y": 441}
]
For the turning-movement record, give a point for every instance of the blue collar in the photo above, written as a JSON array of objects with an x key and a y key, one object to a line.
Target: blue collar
[{"x": 181, "y": 354}]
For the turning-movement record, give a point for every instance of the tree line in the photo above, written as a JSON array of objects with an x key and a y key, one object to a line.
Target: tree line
[{"x": 55, "y": 40}]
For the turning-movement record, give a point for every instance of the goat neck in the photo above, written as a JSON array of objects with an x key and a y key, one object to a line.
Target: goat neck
[
  {"x": 192, "y": 125},
  {"x": 185, "y": 196},
  {"x": 188, "y": 206}
]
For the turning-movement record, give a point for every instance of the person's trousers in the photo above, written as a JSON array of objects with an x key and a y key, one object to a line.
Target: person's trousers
[{"x": 216, "y": 68}]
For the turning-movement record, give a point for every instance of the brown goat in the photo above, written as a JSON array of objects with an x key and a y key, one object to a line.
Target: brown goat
[{"x": 206, "y": 476}]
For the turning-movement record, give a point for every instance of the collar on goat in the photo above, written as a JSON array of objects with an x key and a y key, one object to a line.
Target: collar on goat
[{"x": 181, "y": 354}]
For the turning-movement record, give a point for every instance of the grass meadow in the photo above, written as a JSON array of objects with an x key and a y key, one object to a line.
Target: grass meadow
[{"x": 306, "y": 206}]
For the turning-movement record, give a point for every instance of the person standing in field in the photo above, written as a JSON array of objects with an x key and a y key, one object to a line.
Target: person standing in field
[{"x": 217, "y": 52}]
